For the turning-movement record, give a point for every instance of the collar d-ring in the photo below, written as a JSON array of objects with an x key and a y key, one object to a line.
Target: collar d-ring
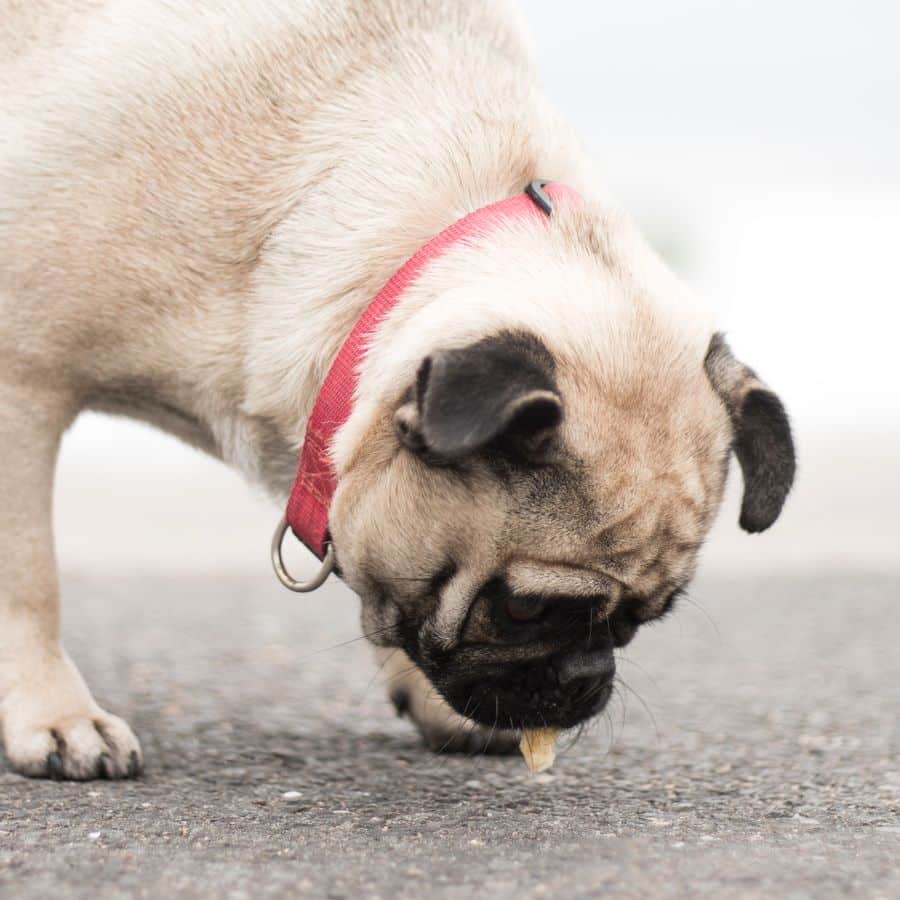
[{"x": 291, "y": 583}]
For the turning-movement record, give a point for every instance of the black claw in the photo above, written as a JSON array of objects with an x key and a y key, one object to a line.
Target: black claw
[
  {"x": 55, "y": 766},
  {"x": 400, "y": 699},
  {"x": 134, "y": 765},
  {"x": 105, "y": 767}
]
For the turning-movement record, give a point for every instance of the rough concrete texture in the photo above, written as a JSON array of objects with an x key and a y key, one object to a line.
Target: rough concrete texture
[{"x": 753, "y": 751}]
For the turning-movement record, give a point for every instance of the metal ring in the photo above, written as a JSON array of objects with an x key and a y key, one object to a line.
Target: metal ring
[{"x": 298, "y": 587}]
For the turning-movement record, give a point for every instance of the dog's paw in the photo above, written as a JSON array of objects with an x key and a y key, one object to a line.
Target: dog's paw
[
  {"x": 451, "y": 733},
  {"x": 79, "y": 748},
  {"x": 52, "y": 728},
  {"x": 443, "y": 729}
]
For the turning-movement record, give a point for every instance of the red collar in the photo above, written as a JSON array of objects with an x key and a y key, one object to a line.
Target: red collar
[{"x": 316, "y": 481}]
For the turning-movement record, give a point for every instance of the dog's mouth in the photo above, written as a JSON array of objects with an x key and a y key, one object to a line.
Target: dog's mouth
[{"x": 563, "y": 690}]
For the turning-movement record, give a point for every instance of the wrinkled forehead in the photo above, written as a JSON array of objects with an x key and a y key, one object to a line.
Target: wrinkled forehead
[
  {"x": 561, "y": 577},
  {"x": 659, "y": 431},
  {"x": 631, "y": 498},
  {"x": 614, "y": 546}
]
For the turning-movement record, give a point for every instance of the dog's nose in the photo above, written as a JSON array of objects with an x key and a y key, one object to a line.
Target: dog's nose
[
  {"x": 564, "y": 689},
  {"x": 597, "y": 665}
]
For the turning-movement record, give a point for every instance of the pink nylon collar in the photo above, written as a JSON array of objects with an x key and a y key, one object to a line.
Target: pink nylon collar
[{"x": 316, "y": 481}]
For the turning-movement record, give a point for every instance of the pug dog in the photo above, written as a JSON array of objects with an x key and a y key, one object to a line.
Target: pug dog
[{"x": 197, "y": 202}]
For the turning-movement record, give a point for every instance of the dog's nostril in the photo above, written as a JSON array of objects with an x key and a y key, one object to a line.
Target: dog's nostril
[{"x": 595, "y": 664}]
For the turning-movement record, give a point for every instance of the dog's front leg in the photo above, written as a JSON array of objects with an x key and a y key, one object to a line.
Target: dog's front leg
[
  {"x": 51, "y": 725},
  {"x": 444, "y": 730}
]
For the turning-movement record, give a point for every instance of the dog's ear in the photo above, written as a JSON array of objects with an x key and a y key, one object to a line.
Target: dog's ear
[
  {"x": 763, "y": 442},
  {"x": 499, "y": 391}
]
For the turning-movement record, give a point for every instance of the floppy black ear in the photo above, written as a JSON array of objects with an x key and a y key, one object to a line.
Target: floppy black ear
[
  {"x": 763, "y": 442},
  {"x": 500, "y": 390}
]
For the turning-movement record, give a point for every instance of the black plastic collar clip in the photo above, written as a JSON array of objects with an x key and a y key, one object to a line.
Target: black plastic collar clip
[{"x": 542, "y": 199}]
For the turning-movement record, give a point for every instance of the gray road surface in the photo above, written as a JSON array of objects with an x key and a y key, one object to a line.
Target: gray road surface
[{"x": 754, "y": 753}]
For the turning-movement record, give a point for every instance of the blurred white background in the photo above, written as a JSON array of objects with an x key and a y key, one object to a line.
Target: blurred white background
[{"x": 759, "y": 145}]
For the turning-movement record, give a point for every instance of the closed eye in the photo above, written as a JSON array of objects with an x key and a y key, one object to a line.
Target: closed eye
[
  {"x": 525, "y": 607},
  {"x": 530, "y": 614}
]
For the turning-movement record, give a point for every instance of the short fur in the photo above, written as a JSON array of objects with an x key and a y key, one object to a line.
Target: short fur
[{"x": 196, "y": 202}]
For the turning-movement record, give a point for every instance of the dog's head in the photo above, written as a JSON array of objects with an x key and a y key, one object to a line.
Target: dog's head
[{"x": 524, "y": 501}]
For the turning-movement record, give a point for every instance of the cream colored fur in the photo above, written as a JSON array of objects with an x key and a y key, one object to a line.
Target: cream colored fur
[{"x": 197, "y": 199}]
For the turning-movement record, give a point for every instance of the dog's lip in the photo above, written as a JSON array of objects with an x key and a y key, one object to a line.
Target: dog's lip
[
  {"x": 562, "y": 690},
  {"x": 561, "y": 712},
  {"x": 490, "y": 671}
]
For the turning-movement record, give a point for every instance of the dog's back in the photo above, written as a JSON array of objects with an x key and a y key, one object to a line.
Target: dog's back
[
  {"x": 27, "y": 25},
  {"x": 148, "y": 149},
  {"x": 139, "y": 171}
]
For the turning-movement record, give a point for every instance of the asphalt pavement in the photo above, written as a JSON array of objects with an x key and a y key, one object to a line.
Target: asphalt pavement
[{"x": 753, "y": 750}]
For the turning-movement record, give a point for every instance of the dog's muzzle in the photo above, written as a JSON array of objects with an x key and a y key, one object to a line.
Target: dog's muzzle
[{"x": 563, "y": 690}]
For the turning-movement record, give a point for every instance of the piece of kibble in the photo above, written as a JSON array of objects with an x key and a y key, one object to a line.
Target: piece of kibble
[{"x": 538, "y": 746}]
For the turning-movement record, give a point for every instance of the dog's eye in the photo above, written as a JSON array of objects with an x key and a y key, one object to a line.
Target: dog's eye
[{"x": 525, "y": 607}]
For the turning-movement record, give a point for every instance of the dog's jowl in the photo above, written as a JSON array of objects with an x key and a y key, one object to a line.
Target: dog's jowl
[{"x": 192, "y": 220}]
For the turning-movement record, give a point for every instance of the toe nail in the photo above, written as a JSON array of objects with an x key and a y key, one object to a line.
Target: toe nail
[
  {"x": 55, "y": 766},
  {"x": 400, "y": 699},
  {"x": 105, "y": 767},
  {"x": 134, "y": 765}
]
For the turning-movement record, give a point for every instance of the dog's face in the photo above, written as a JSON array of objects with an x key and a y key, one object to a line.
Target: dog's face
[{"x": 513, "y": 517}]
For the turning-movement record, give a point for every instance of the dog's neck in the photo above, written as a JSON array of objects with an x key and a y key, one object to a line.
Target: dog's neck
[
  {"x": 350, "y": 231},
  {"x": 378, "y": 182}
]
